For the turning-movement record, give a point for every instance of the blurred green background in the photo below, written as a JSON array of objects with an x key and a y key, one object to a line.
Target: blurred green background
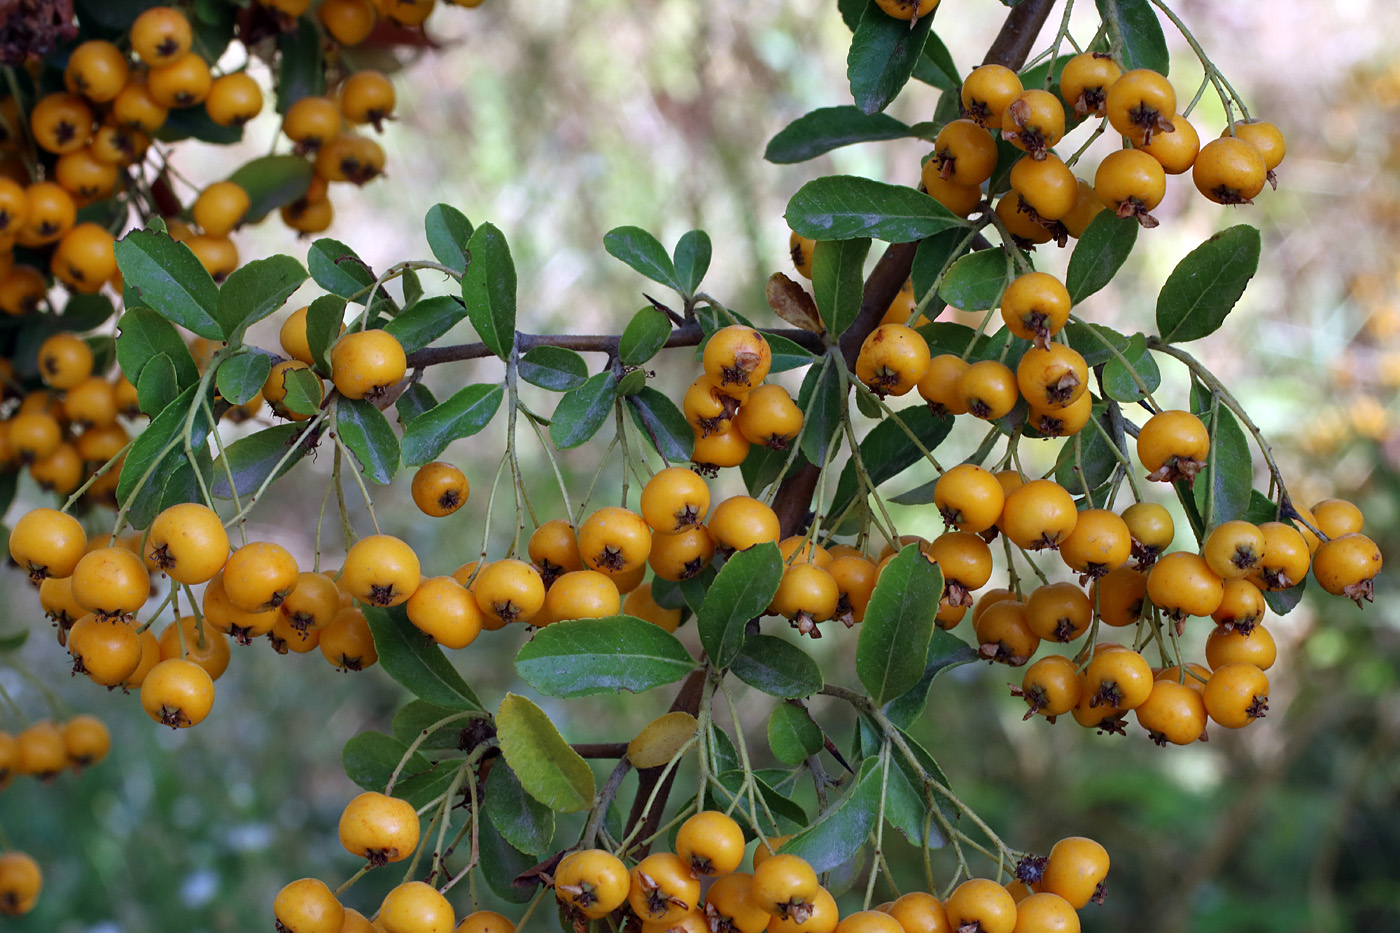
[{"x": 559, "y": 120}]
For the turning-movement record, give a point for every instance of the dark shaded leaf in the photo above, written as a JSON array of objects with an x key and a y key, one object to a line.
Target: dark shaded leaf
[
  {"x": 367, "y": 433},
  {"x": 300, "y": 70},
  {"x": 894, "y": 638},
  {"x": 338, "y": 270},
  {"x": 488, "y": 288},
  {"x": 945, "y": 651},
  {"x": 553, "y": 368},
  {"x": 1230, "y": 468},
  {"x": 1119, "y": 383},
  {"x": 582, "y": 411},
  {"x": 840, "y": 832},
  {"x": 416, "y": 662},
  {"x": 449, "y": 232},
  {"x": 143, "y": 335},
  {"x": 426, "y": 321},
  {"x": 272, "y": 182},
  {"x": 158, "y": 385},
  {"x": 1099, "y": 253},
  {"x": 253, "y": 458},
  {"x": 587, "y": 656},
  {"x": 884, "y": 51},
  {"x": 663, "y": 424},
  {"x": 462, "y": 415},
  {"x": 1135, "y": 22},
  {"x": 822, "y": 403},
  {"x": 255, "y": 290},
  {"x": 975, "y": 282},
  {"x": 887, "y": 451},
  {"x": 240, "y": 378},
  {"x": 1205, "y": 285},
  {"x": 792, "y": 735},
  {"x": 692, "y": 260},
  {"x": 844, "y": 207},
  {"x": 828, "y": 128},
  {"x": 777, "y": 667},
  {"x": 166, "y": 277},
  {"x": 522, "y": 821},
  {"x": 371, "y": 757},
  {"x": 325, "y": 319},
  {"x": 644, "y": 253},
  {"x": 838, "y": 281},
  {"x": 741, "y": 591}
]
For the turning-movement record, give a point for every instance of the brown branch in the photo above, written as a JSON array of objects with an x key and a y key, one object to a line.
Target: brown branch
[
  {"x": 688, "y": 335},
  {"x": 687, "y": 701},
  {"x": 1018, "y": 34}
]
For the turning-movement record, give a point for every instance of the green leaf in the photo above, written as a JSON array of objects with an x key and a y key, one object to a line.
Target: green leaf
[
  {"x": 906, "y": 807},
  {"x": 488, "y": 288},
  {"x": 898, "y": 626},
  {"x": 582, "y": 411},
  {"x": 631, "y": 383},
  {"x": 975, "y": 282},
  {"x": 13, "y": 642},
  {"x": 157, "y": 386},
  {"x": 932, "y": 769},
  {"x": 945, "y": 650},
  {"x": 947, "y": 337},
  {"x": 741, "y": 591},
  {"x": 548, "y": 769},
  {"x": 644, "y": 253},
  {"x": 828, "y": 128},
  {"x": 1118, "y": 381},
  {"x": 419, "y": 718},
  {"x": 838, "y": 281},
  {"x": 762, "y": 465},
  {"x": 840, "y": 832},
  {"x": 166, "y": 277},
  {"x": 367, "y": 433},
  {"x": 933, "y": 254},
  {"x": 449, "y": 232},
  {"x": 662, "y": 423},
  {"x": 643, "y": 337},
  {"x": 194, "y": 123},
  {"x": 692, "y": 260},
  {"x": 936, "y": 66},
  {"x": 822, "y": 402},
  {"x": 423, "y": 787},
  {"x": 553, "y": 368},
  {"x": 408, "y": 656},
  {"x": 1092, "y": 341},
  {"x": 1261, "y": 509},
  {"x": 416, "y": 400},
  {"x": 522, "y": 821},
  {"x": 844, "y": 207},
  {"x": 884, "y": 51},
  {"x": 272, "y": 182},
  {"x": 139, "y": 492},
  {"x": 787, "y": 354},
  {"x": 1230, "y": 468},
  {"x": 338, "y": 270},
  {"x": 86, "y": 312},
  {"x": 240, "y": 378},
  {"x": 1099, "y": 253},
  {"x": 502, "y": 863},
  {"x": 143, "y": 335},
  {"x": 1205, "y": 285},
  {"x": 371, "y": 757},
  {"x": 301, "y": 70},
  {"x": 255, "y": 290},
  {"x": 1282, "y": 602},
  {"x": 252, "y": 459},
  {"x": 462, "y": 415},
  {"x": 325, "y": 319},
  {"x": 426, "y": 321},
  {"x": 790, "y": 816},
  {"x": 777, "y": 667},
  {"x": 304, "y": 391},
  {"x": 852, "y": 11},
  {"x": 887, "y": 450},
  {"x": 1094, "y": 453},
  {"x": 1135, "y": 22},
  {"x": 587, "y": 656},
  {"x": 792, "y": 735}
]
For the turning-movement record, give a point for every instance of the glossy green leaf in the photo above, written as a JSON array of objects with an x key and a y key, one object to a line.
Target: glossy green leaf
[
  {"x": 822, "y": 402},
  {"x": 252, "y": 459},
  {"x": 553, "y": 368},
  {"x": 692, "y": 260},
  {"x": 1135, "y": 22},
  {"x": 1087, "y": 450},
  {"x": 272, "y": 182},
  {"x": 838, "y": 281},
  {"x": 1206, "y": 284},
  {"x": 777, "y": 667},
  {"x": 255, "y": 290},
  {"x": 449, "y": 233},
  {"x": 144, "y": 335},
  {"x": 884, "y": 51},
  {"x": 792, "y": 735},
  {"x": 644, "y": 253},
  {"x": 945, "y": 651},
  {"x": 844, "y": 207},
  {"x": 1282, "y": 602},
  {"x": 416, "y": 400},
  {"x": 301, "y": 70},
  {"x": 462, "y": 415},
  {"x": 787, "y": 354},
  {"x": 149, "y": 463},
  {"x": 762, "y": 465},
  {"x": 304, "y": 391},
  {"x": 548, "y": 769},
  {"x": 522, "y": 821},
  {"x": 586, "y": 656},
  {"x": 840, "y": 832},
  {"x": 947, "y": 337},
  {"x": 1093, "y": 342},
  {"x": 643, "y": 337},
  {"x": 426, "y": 321},
  {"x": 1119, "y": 382},
  {"x": 367, "y": 433},
  {"x": 975, "y": 282},
  {"x": 662, "y": 423},
  {"x": 936, "y": 66},
  {"x": 933, "y": 254},
  {"x": 582, "y": 411},
  {"x": 158, "y": 385},
  {"x": 416, "y": 662},
  {"x": 165, "y": 276},
  {"x": 906, "y": 806},
  {"x": 502, "y": 863},
  {"x": 741, "y": 591},
  {"x": 898, "y": 626},
  {"x": 1229, "y": 472},
  {"x": 338, "y": 270},
  {"x": 325, "y": 318},
  {"x": 420, "y": 718},
  {"x": 86, "y": 312},
  {"x": 1099, "y": 253},
  {"x": 828, "y": 128},
  {"x": 371, "y": 757},
  {"x": 240, "y": 378},
  {"x": 488, "y": 288}
]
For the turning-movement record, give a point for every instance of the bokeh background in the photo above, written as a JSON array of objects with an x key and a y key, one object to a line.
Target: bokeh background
[{"x": 559, "y": 120}]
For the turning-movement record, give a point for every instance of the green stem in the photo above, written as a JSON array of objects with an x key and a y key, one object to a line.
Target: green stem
[{"x": 423, "y": 737}]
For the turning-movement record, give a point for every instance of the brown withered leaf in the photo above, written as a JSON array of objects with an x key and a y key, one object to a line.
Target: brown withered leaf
[{"x": 791, "y": 302}]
